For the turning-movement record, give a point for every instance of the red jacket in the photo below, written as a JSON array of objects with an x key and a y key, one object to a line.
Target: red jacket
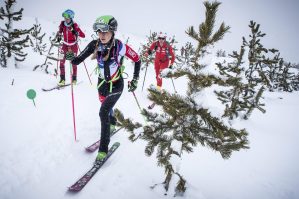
[
  {"x": 68, "y": 36},
  {"x": 163, "y": 53}
]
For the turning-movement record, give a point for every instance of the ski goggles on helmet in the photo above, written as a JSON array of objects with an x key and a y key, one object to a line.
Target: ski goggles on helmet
[
  {"x": 66, "y": 15},
  {"x": 102, "y": 27}
]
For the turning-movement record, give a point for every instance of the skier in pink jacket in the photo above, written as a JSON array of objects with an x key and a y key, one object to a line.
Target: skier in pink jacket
[{"x": 70, "y": 31}]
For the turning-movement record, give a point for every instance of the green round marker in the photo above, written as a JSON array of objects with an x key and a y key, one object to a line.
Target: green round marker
[{"x": 31, "y": 94}]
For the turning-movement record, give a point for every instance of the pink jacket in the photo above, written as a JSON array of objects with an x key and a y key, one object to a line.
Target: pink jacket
[{"x": 68, "y": 35}]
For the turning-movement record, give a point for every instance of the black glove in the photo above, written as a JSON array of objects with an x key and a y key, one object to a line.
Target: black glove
[
  {"x": 77, "y": 60},
  {"x": 170, "y": 66},
  {"x": 58, "y": 38},
  {"x": 69, "y": 55},
  {"x": 132, "y": 85},
  {"x": 74, "y": 31}
]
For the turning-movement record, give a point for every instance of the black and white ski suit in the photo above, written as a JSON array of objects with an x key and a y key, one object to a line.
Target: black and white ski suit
[{"x": 110, "y": 80}]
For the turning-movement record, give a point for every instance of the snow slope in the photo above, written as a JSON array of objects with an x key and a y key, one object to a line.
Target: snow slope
[{"x": 39, "y": 157}]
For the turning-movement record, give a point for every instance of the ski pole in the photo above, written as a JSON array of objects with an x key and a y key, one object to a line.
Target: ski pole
[
  {"x": 173, "y": 85},
  {"x": 73, "y": 102},
  {"x": 93, "y": 71},
  {"x": 57, "y": 62},
  {"x": 72, "y": 90},
  {"x": 139, "y": 107},
  {"x": 85, "y": 67},
  {"x": 144, "y": 75},
  {"x": 137, "y": 101}
]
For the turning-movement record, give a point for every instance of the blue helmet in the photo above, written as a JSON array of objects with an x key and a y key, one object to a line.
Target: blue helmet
[{"x": 69, "y": 14}]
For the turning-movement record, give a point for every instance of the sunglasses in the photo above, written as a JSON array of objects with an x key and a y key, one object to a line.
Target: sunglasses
[
  {"x": 161, "y": 38},
  {"x": 66, "y": 15},
  {"x": 101, "y": 27}
]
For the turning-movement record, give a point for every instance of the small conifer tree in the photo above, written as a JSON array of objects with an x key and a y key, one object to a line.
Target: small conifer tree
[
  {"x": 242, "y": 98},
  {"x": 266, "y": 67},
  {"x": 37, "y": 38},
  {"x": 13, "y": 41},
  {"x": 184, "y": 122}
]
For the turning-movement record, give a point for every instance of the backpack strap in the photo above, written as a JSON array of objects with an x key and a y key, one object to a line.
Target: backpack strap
[
  {"x": 116, "y": 51},
  {"x": 118, "y": 75},
  {"x": 119, "y": 63},
  {"x": 167, "y": 49},
  {"x": 95, "y": 52},
  {"x": 167, "y": 45},
  {"x": 156, "y": 45},
  {"x": 75, "y": 31}
]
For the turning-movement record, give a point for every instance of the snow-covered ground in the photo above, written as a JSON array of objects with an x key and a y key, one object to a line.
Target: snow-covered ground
[{"x": 39, "y": 157}]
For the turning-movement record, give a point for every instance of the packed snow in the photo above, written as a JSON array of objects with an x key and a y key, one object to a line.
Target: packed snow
[{"x": 39, "y": 157}]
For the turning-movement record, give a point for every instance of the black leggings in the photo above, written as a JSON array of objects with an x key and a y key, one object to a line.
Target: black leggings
[{"x": 106, "y": 107}]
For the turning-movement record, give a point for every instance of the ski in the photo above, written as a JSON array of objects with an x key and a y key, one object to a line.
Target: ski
[
  {"x": 78, "y": 186},
  {"x": 58, "y": 87},
  {"x": 96, "y": 145},
  {"x": 151, "y": 106},
  {"x": 55, "y": 87}
]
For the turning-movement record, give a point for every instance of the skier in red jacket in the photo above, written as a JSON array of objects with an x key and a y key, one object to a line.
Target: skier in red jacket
[
  {"x": 70, "y": 31},
  {"x": 164, "y": 56}
]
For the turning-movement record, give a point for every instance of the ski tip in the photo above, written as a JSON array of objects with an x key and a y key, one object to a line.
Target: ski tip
[
  {"x": 88, "y": 150},
  {"x": 116, "y": 144},
  {"x": 73, "y": 190}
]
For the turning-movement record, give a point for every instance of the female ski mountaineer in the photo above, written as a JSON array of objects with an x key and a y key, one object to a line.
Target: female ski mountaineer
[
  {"x": 108, "y": 52},
  {"x": 70, "y": 31}
]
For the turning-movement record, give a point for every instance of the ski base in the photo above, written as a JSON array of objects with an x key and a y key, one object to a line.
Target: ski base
[
  {"x": 96, "y": 145},
  {"x": 78, "y": 186}
]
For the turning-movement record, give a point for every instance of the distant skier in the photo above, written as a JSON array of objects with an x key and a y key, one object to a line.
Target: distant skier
[
  {"x": 70, "y": 31},
  {"x": 164, "y": 56},
  {"x": 109, "y": 52}
]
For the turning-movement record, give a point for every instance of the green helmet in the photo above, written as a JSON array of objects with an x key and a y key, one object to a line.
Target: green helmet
[{"x": 105, "y": 23}]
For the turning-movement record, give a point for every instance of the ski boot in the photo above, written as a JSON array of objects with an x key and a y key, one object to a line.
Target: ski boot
[
  {"x": 62, "y": 81},
  {"x": 112, "y": 128},
  {"x": 101, "y": 156},
  {"x": 156, "y": 88},
  {"x": 74, "y": 80}
]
